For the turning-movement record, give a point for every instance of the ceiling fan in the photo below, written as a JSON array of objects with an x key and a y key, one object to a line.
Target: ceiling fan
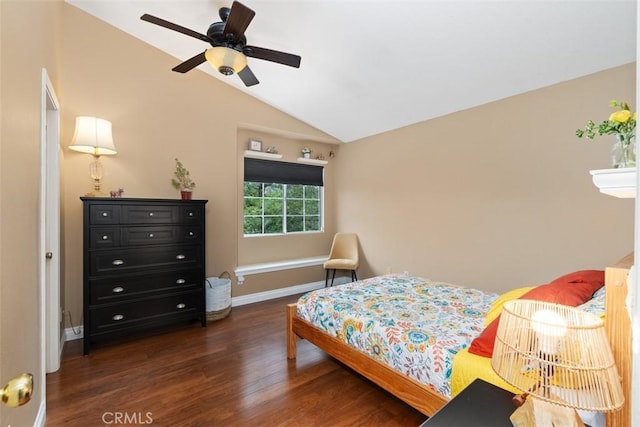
[{"x": 229, "y": 50}]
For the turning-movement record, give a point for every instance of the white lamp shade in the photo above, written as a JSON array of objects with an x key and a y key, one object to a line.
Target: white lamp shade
[
  {"x": 226, "y": 57},
  {"x": 93, "y": 136}
]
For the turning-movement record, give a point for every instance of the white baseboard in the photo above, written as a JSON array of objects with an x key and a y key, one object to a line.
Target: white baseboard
[
  {"x": 41, "y": 415},
  {"x": 70, "y": 335},
  {"x": 283, "y": 292}
]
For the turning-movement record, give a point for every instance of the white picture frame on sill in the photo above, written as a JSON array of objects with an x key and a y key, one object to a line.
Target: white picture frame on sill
[{"x": 255, "y": 145}]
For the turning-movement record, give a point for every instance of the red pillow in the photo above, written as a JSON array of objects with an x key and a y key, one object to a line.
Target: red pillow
[
  {"x": 572, "y": 289},
  {"x": 583, "y": 276}
]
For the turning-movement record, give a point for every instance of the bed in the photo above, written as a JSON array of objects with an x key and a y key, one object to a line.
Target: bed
[{"x": 424, "y": 368}]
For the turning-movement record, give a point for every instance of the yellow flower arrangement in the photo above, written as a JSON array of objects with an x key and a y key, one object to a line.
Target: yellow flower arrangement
[{"x": 622, "y": 124}]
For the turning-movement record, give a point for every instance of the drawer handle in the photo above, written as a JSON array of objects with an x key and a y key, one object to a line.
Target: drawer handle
[
  {"x": 181, "y": 306},
  {"x": 181, "y": 281},
  {"x": 118, "y": 317},
  {"x": 191, "y": 233},
  {"x": 105, "y": 237},
  {"x": 117, "y": 262},
  {"x": 180, "y": 256},
  {"x": 105, "y": 214},
  {"x": 150, "y": 213},
  {"x": 151, "y": 235},
  {"x": 117, "y": 289},
  {"x": 190, "y": 213}
]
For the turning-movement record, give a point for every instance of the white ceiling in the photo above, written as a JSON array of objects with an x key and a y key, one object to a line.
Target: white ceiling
[{"x": 369, "y": 66}]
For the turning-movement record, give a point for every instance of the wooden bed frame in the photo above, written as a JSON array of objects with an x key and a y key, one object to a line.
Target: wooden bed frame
[
  {"x": 405, "y": 388},
  {"x": 429, "y": 401}
]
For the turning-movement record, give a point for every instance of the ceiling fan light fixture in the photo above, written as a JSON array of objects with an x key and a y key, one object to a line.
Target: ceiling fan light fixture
[{"x": 226, "y": 60}]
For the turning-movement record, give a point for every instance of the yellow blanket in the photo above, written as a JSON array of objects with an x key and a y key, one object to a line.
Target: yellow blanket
[{"x": 467, "y": 367}]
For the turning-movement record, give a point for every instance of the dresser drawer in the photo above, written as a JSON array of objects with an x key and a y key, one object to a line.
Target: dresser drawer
[
  {"x": 111, "y": 237},
  {"x": 140, "y": 312},
  {"x": 104, "y": 237},
  {"x": 149, "y": 214},
  {"x": 116, "y": 261},
  {"x": 191, "y": 233},
  {"x": 191, "y": 214},
  {"x": 111, "y": 290},
  {"x": 104, "y": 214},
  {"x": 135, "y": 236}
]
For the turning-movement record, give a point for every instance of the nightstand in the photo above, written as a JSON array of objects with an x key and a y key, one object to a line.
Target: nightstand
[{"x": 480, "y": 404}]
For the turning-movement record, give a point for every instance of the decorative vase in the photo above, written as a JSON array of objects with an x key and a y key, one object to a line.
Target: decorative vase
[
  {"x": 306, "y": 155},
  {"x": 623, "y": 153},
  {"x": 185, "y": 194}
]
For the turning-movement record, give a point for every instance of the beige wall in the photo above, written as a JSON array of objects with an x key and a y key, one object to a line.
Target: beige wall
[
  {"x": 158, "y": 115},
  {"x": 29, "y": 42},
  {"x": 492, "y": 197}
]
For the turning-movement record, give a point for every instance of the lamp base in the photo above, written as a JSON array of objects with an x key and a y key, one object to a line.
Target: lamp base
[
  {"x": 536, "y": 412},
  {"x": 96, "y": 193}
]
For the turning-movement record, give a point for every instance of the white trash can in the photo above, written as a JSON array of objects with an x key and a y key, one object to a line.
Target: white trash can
[{"x": 218, "y": 296}]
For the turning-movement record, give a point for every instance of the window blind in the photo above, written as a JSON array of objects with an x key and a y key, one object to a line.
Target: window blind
[{"x": 257, "y": 170}]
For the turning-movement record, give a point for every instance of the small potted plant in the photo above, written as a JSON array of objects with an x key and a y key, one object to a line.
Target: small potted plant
[
  {"x": 182, "y": 181},
  {"x": 306, "y": 152}
]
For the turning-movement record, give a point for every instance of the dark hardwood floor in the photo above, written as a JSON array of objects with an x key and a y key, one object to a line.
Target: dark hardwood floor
[{"x": 233, "y": 373}]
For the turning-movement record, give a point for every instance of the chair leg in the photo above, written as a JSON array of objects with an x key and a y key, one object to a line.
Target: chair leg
[
  {"x": 326, "y": 279},
  {"x": 353, "y": 276},
  {"x": 333, "y": 277}
]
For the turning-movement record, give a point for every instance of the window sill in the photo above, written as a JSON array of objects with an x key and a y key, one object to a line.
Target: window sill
[
  {"x": 267, "y": 267},
  {"x": 312, "y": 161},
  {"x": 261, "y": 155}
]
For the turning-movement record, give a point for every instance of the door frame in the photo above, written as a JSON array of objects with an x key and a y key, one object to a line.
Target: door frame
[{"x": 49, "y": 230}]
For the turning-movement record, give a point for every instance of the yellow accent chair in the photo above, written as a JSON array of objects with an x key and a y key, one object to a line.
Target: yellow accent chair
[{"x": 343, "y": 256}]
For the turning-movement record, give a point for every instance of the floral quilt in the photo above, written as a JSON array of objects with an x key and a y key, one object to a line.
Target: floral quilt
[{"x": 414, "y": 325}]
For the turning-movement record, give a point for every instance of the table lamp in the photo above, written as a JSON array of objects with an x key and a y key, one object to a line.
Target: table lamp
[
  {"x": 93, "y": 136},
  {"x": 560, "y": 358}
]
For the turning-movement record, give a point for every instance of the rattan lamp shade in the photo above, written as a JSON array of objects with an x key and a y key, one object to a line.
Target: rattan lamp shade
[{"x": 558, "y": 354}]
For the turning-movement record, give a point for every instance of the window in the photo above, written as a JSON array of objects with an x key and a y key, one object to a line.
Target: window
[{"x": 281, "y": 197}]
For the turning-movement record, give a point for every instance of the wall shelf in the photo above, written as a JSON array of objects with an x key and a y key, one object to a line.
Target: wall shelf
[
  {"x": 616, "y": 182},
  {"x": 268, "y": 267},
  {"x": 312, "y": 161},
  {"x": 261, "y": 155}
]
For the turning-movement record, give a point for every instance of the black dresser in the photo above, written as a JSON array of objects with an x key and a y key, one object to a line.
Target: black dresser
[{"x": 144, "y": 265}]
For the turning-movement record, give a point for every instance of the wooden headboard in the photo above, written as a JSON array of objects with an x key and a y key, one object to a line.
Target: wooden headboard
[{"x": 618, "y": 326}]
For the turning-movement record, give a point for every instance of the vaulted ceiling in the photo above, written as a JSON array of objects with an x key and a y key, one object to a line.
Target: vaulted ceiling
[{"x": 370, "y": 66}]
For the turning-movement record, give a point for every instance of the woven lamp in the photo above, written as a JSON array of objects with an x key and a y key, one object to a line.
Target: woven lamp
[{"x": 560, "y": 357}]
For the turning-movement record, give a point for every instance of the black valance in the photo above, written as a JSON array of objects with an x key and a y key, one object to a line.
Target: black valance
[{"x": 257, "y": 170}]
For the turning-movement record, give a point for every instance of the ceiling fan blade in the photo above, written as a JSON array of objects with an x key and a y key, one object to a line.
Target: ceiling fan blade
[
  {"x": 174, "y": 27},
  {"x": 273, "y": 56},
  {"x": 247, "y": 77},
  {"x": 190, "y": 64},
  {"x": 239, "y": 19}
]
